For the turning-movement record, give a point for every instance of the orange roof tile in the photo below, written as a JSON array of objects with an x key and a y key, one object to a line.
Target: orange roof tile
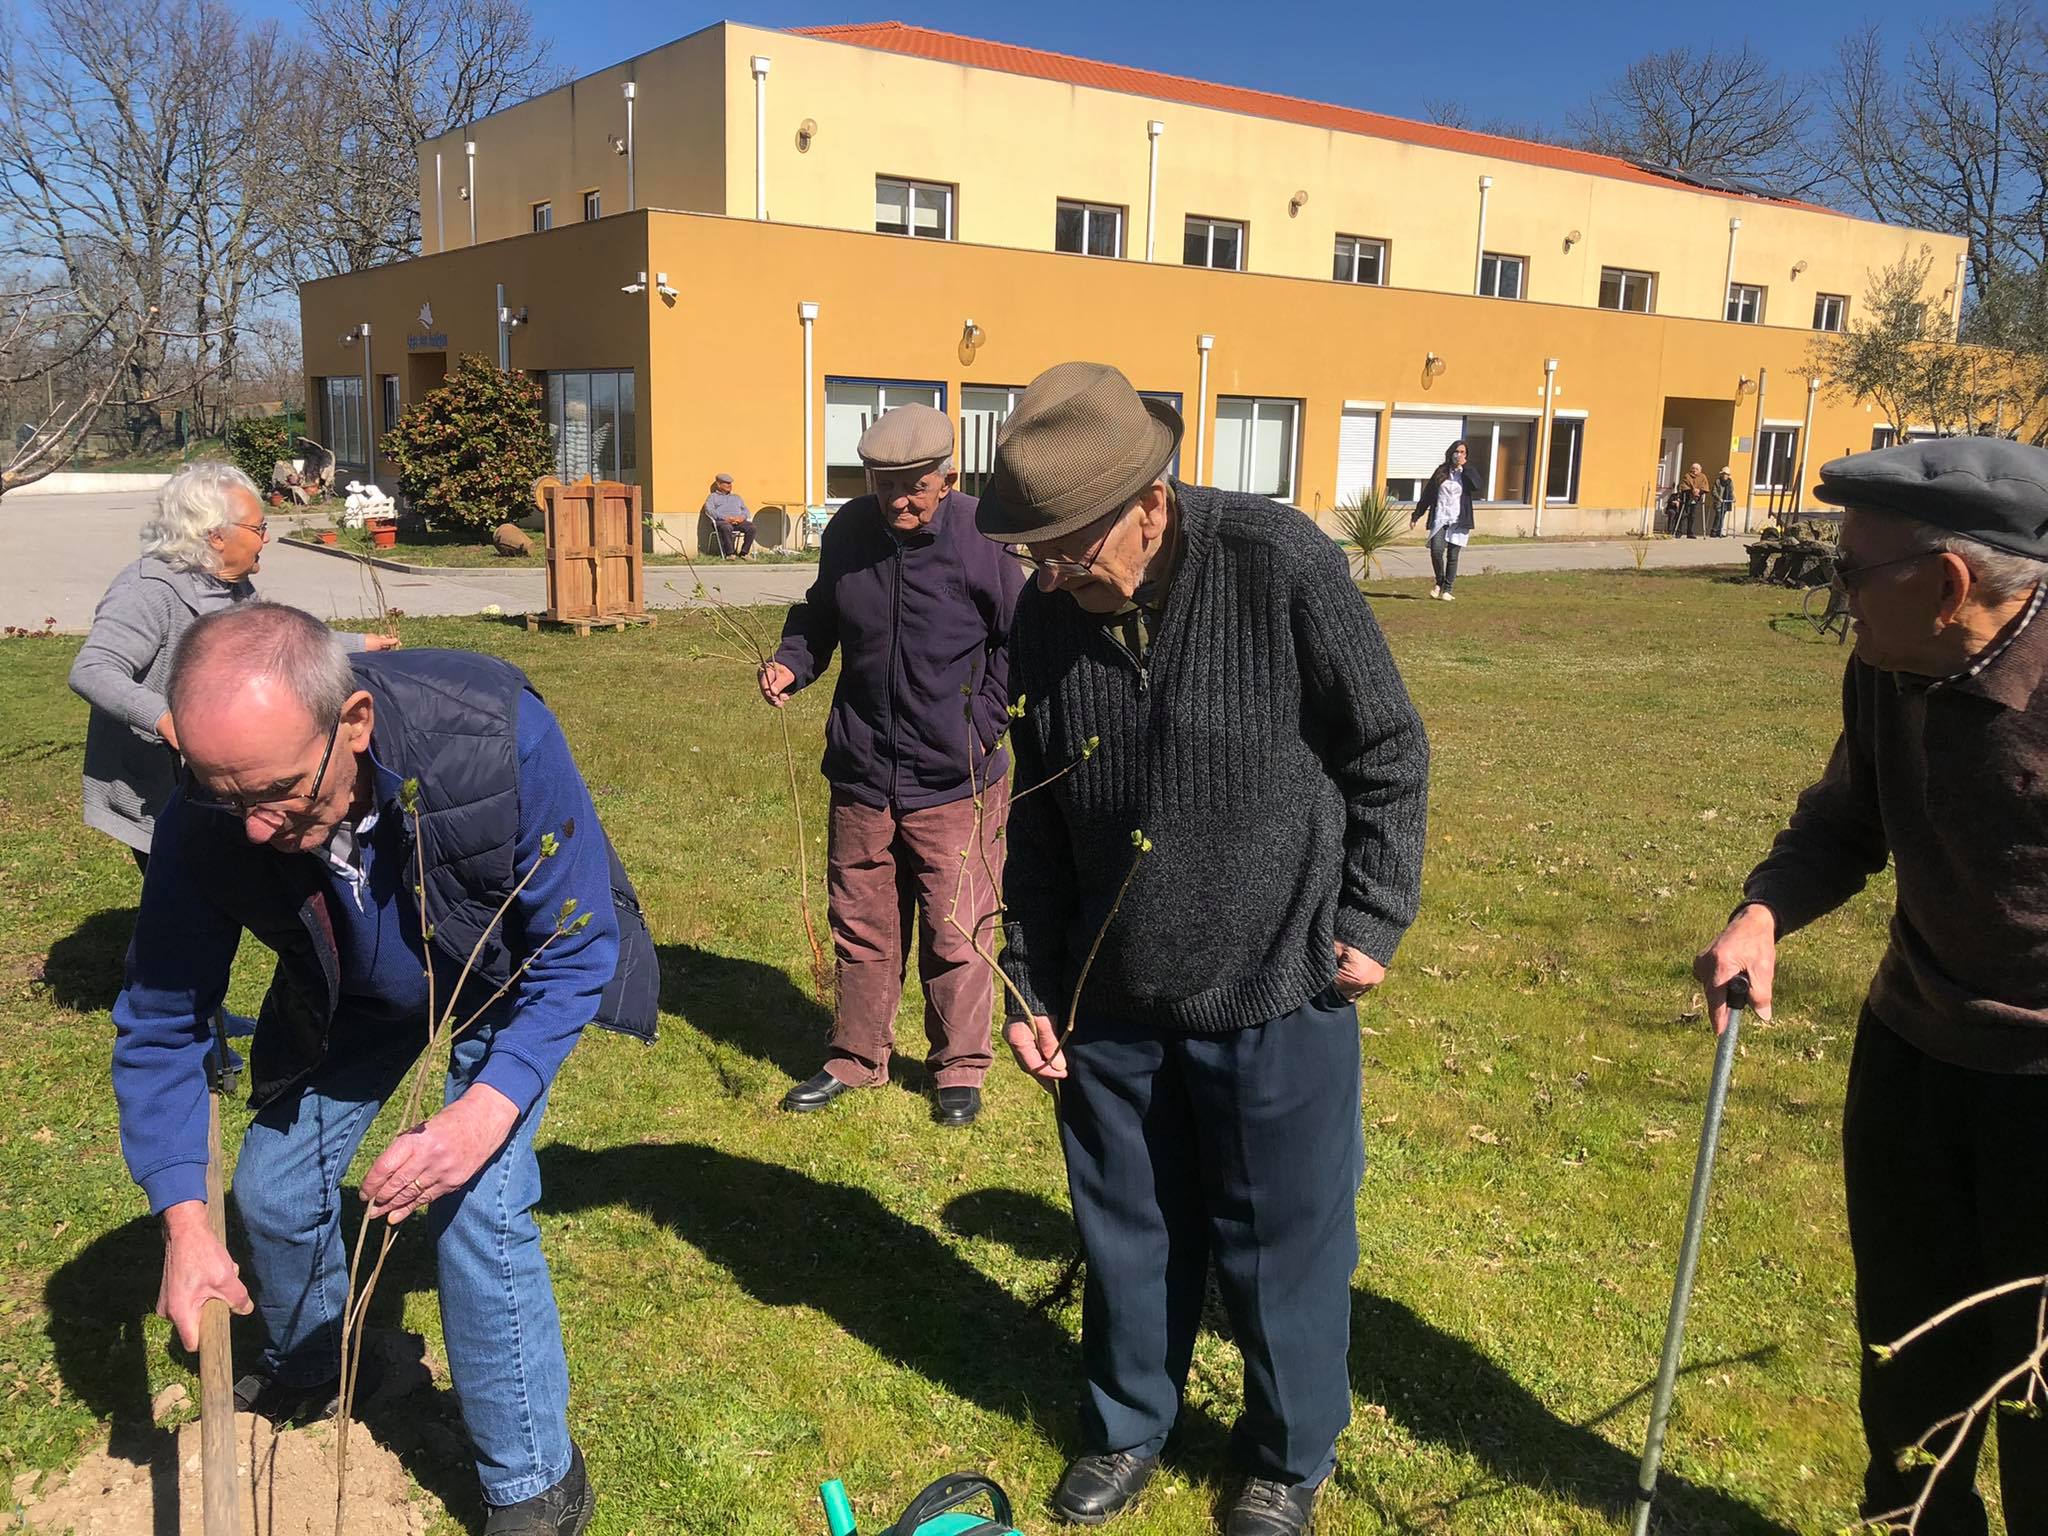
[{"x": 979, "y": 53}]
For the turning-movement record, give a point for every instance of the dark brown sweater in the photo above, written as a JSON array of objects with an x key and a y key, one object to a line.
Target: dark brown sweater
[{"x": 1952, "y": 782}]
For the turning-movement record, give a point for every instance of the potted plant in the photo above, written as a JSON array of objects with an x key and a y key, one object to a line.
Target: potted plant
[
  {"x": 383, "y": 532},
  {"x": 328, "y": 536}
]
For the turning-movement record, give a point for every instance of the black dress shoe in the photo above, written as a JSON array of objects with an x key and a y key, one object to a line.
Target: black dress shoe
[
  {"x": 814, "y": 1093},
  {"x": 1096, "y": 1487},
  {"x": 957, "y": 1106},
  {"x": 1266, "y": 1508}
]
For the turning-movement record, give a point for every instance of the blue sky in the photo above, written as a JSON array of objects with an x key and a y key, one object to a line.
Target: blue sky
[{"x": 1385, "y": 57}]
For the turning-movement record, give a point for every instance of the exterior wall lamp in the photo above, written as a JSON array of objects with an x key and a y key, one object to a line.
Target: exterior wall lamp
[{"x": 1294, "y": 204}]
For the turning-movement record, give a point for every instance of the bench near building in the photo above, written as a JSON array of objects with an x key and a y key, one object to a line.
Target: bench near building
[{"x": 732, "y": 252}]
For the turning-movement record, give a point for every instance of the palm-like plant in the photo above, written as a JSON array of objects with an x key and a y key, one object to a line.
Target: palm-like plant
[{"x": 1370, "y": 522}]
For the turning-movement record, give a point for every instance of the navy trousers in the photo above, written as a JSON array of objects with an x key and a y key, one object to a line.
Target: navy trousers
[{"x": 1244, "y": 1148}]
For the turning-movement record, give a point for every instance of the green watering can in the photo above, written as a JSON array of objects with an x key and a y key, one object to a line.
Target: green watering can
[{"x": 935, "y": 1512}]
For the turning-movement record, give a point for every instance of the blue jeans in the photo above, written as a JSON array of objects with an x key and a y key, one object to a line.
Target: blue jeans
[
  {"x": 1243, "y": 1150},
  {"x": 498, "y": 1319}
]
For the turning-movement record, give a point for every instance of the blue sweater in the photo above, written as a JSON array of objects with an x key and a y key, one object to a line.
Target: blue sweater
[{"x": 185, "y": 945}]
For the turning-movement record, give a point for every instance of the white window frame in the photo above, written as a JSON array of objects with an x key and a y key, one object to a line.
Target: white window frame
[
  {"x": 1627, "y": 275},
  {"x": 574, "y": 445},
  {"x": 1359, "y": 245},
  {"x": 1763, "y": 457},
  {"x": 1263, "y": 408},
  {"x": 389, "y": 402},
  {"x": 1212, "y": 225},
  {"x": 1573, "y": 429},
  {"x": 911, "y": 187},
  {"x": 1745, "y": 304},
  {"x": 888, "y": 394},
  {"x": 1493, "y": 420},
  {"x": 1499, "y": 261},
  {"x": 543, "y": 217},
  {"x": 1840, "y": 311},
  {"x": 593, "y": 204},
  {"x": 342, "y": 419},
  {"x": 1091, "y": 214}
]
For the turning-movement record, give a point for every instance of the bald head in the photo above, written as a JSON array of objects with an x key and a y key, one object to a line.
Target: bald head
[{"x": 269, "y": 648}]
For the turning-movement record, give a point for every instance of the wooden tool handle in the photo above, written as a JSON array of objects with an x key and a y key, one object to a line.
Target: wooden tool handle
[{"x": 216, "y": 1364}]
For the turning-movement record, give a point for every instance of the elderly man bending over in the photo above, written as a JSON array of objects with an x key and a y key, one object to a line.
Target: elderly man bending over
[
  {"x": 290, "y": 825},
  {"x": 1940, "y": 767}
]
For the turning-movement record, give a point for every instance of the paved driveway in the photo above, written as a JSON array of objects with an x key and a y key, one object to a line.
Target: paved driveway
[{"x": 57, "y": 554}]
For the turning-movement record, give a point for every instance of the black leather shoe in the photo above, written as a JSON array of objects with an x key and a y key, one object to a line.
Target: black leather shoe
[
  {"x": 1096, "y": 1487},
  {"x": 563, "y": 1510},
  {"x": 957, "y": 1106},
  {"x": 1266, "y": 1508},
  {"x": 814, "y": 1093}
]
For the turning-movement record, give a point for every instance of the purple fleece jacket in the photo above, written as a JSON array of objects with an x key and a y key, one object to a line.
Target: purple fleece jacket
[{"x": 920, "y": 619}]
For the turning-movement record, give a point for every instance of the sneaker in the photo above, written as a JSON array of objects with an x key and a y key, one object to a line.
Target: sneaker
[
  {"x": 1449, "y": 598},
  {"x": 563, "y": 1510},
  {"x": 1436, "y": 591}
]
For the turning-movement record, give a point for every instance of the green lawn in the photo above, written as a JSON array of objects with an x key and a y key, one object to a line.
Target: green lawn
[{"x": 754, "y": 1301}]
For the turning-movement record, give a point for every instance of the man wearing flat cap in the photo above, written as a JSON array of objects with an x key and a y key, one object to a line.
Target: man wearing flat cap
[
  {"x": 919, "y": 608},
  {"x": 1240, "y": 852},
  {"x": 1942, "y": 767}
]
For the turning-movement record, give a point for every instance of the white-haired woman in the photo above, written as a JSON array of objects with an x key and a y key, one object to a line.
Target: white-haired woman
[{"x": 198, "y": 553}]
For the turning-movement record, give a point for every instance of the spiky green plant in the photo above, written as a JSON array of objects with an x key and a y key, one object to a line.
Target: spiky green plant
[{"x": 1370, "y": 522}]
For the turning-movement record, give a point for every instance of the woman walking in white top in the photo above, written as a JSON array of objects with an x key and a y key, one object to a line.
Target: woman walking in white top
[{"x": 1447, "y": 501}]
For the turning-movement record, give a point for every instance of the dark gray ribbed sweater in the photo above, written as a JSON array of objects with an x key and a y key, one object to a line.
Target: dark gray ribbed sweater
[{"x": 1267, "y": 748}]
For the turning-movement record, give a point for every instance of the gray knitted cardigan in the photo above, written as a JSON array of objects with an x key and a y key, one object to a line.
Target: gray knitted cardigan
[
  {"x": 1265, "y": 746},
  {"x": 122, "y": 671}
]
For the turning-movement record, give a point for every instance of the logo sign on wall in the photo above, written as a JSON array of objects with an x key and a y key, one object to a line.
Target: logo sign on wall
[{"x": 426, "y": 338}]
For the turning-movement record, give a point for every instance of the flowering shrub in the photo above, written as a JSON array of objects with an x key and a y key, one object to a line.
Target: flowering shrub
[{"x": 469, "y": 452}]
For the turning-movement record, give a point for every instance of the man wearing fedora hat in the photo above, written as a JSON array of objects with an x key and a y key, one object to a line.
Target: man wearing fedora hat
[
  {"x": 1940, "y": 768},
  {"x": 919, "y": 609},
  {"x": 1252, "y": 734}
]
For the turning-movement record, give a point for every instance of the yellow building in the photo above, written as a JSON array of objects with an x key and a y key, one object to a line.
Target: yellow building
[{"x": 729, "y": 253}]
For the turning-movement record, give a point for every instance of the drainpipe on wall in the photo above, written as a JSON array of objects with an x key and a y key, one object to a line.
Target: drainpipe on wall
[
  {"x": 1543, "y": 443},
  {"x": 469, "y": 156},
  {"x": 1956, "y": 314},
  {"x": 440, "y": 218},
  {"x": 369, "y": 407},
  {"x": 1728, "y": 287},
  {"x": 1479, "y": 255},
  {"x": 1152, "y": 131},
  {"x": 1202, "y": 345},
  {"x": 1805, "y": 440},
  {"x": 632, "y": 192},
  {"x": 1756, "y": 446},
  {"x": 504, "y": 334},
  {"x": 760, "y": 65},
  {"x": 807, "y": 312}
]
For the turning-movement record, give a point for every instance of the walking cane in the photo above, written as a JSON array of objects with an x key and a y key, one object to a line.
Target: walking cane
[
  {"x": 1688, "y": 1255},
  {"x": 216, "y": 1362}
]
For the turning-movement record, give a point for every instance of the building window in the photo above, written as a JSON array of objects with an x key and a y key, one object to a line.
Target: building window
[
  {"x": 591, "y": 419},
  {"x": 1088, "y": 229},
  {"x": 1255, "y": 446},
  {"x": 1623, "y": 289},
  {"x": 1777, "y": 458},
  {"x": 1500, "y": 455},
  {"x": 851, "y": 406},
  {"x": 921, "y": 208},
  {"x": 1567, "y": 452},
  {"x": 1417, "y": 445},
  {"x": 1830, "y": 311},
  {"x": 983, "y": 410},
  {"x": 1214, "y": 243},
  {"x": 343, "y": 422},
  {"x": 1360, "y": 260},
  {"x": 389, "y": 403},
  {"x": 1883, "y": 437},
  {"x": 543, "y": 217},
  {"x": 1745, "y": 304},
  {"x": 593, "y": 206},
  {"x": 1500, "y": 277}
]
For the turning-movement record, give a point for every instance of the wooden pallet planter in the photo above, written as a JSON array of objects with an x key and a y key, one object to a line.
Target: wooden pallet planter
[
  {"x": 595, "y": 576},
  {"x": 612, "y": 621}
]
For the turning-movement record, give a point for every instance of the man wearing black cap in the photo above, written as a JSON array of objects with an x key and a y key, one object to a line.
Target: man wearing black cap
[
  {"x": 1220, "y": 795},
  {"x": 1942, "y": 766}
]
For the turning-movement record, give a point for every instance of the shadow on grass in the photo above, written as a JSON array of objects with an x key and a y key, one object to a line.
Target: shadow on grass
[
  {"x": 753, "y": 1007},
  {"x": 84, "y": 968},
  {"x": 789, "y": 1240},
  {"x": 99, "y": 1304}
]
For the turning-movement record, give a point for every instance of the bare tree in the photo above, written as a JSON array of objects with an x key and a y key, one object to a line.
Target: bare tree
[
  {"x": 387, "y": 76},
  {"x": 1955, "y": 141},
  {"x": 1447, "y": 112},
  {"x": 1709, "y": 113}
]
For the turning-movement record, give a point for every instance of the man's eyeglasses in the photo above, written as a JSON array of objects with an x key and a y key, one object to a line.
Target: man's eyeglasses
[
  {"x": 289, "y": 808},
  {"x": 1849, "y": 572},
  {"x": 1080, "y": 565}
]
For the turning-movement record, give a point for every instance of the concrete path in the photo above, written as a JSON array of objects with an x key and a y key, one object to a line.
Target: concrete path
[{"x": 58, "y": 552}]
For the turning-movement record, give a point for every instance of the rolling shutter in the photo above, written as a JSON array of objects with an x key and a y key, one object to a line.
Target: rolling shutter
[
  {"x": 1419, "y": 442},
  {"x": 1358, "y": 443}
]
